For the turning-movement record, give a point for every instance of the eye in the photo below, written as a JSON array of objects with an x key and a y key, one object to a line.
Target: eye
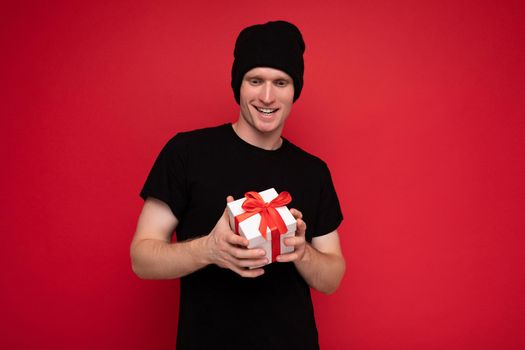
[
  {"x": 254, "y": 81},
  {"x": 281, "y": 83}
]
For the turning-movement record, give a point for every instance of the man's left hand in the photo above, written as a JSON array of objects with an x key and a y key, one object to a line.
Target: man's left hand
[{"x": 298, "y": 242}]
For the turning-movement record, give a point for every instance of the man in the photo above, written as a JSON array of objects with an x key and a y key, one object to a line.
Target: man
[{"x": 225, "y": 302}]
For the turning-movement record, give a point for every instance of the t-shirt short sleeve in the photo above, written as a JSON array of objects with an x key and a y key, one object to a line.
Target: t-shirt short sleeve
[
  {"x": 329, "y": 214},
  {"x": 167, "y": 178}
]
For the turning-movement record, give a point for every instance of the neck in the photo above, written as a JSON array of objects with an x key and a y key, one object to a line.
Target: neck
[{"x": 267, "y": 141}]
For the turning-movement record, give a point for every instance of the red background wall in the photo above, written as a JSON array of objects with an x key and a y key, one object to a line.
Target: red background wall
[{"x": 417, "y": 106}]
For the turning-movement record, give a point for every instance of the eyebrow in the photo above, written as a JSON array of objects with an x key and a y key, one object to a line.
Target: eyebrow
[{"x": 257, "y": 76}]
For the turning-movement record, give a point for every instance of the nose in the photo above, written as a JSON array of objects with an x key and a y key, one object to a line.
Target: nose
[{"x": 266, "y": 95}]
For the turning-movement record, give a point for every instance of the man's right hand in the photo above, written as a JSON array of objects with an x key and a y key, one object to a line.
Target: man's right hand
[{"x": 228, "y": 250}]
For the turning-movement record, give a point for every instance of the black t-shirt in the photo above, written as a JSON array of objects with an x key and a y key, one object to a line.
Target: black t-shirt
[{"x": 193, "y": 174}]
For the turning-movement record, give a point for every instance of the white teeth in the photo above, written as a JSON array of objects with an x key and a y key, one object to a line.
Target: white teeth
[{"x": 266, "y": 110}]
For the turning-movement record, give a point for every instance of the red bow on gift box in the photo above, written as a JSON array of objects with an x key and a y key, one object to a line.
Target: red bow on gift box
[{"x": 270, "y": 218}]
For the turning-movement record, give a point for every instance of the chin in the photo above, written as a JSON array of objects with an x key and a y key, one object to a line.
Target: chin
[{"x": 266, "y": 128}]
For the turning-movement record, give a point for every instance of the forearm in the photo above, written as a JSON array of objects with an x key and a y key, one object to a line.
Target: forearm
[
  {"x": 322, "y": 271},
  {"x": 157, "y": 259}
]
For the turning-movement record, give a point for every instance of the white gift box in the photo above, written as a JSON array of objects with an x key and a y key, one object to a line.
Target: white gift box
[{"x": 249, "y": 228}]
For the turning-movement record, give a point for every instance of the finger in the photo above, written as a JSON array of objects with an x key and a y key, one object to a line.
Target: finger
[
  {"x": 248, "y": 273},
  {"x": 226, "y": 216},
  {"x": 253, "y": 263},
  {"x": 243, "y": 253},
  {"x": 296, "y": 213},
  {"x": 234, "y": 239},
  {"x": 245, "y": 263},
  {"x": 287, "y": 257},
  {"x": 225, "y": 221},
  {"x": 294, "y": 241},
  {"x": 300, "y": 228}
]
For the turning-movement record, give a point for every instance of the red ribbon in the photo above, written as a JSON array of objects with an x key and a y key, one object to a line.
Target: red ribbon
[{"x": 270, "y": 218}]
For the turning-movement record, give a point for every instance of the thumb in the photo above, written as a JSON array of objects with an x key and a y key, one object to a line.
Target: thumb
[
  {"x": 301, "y": 228},
  {"x": 226, "y": 214}
]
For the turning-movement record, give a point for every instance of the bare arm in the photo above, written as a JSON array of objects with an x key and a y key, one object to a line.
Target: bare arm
[
  {"x": 320, "y": 263},
  {"x": 154, "y": 256},
  {"x": 323, "y": 265}
]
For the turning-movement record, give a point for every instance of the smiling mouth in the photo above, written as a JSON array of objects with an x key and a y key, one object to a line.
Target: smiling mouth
[{"x": 266, "y": 111}]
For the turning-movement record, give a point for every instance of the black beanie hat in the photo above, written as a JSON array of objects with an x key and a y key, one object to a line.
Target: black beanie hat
[{"x": 276, "y": 45}]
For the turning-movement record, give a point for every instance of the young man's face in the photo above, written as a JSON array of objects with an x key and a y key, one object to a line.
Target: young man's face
[{"x": 266, "y": 99}]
